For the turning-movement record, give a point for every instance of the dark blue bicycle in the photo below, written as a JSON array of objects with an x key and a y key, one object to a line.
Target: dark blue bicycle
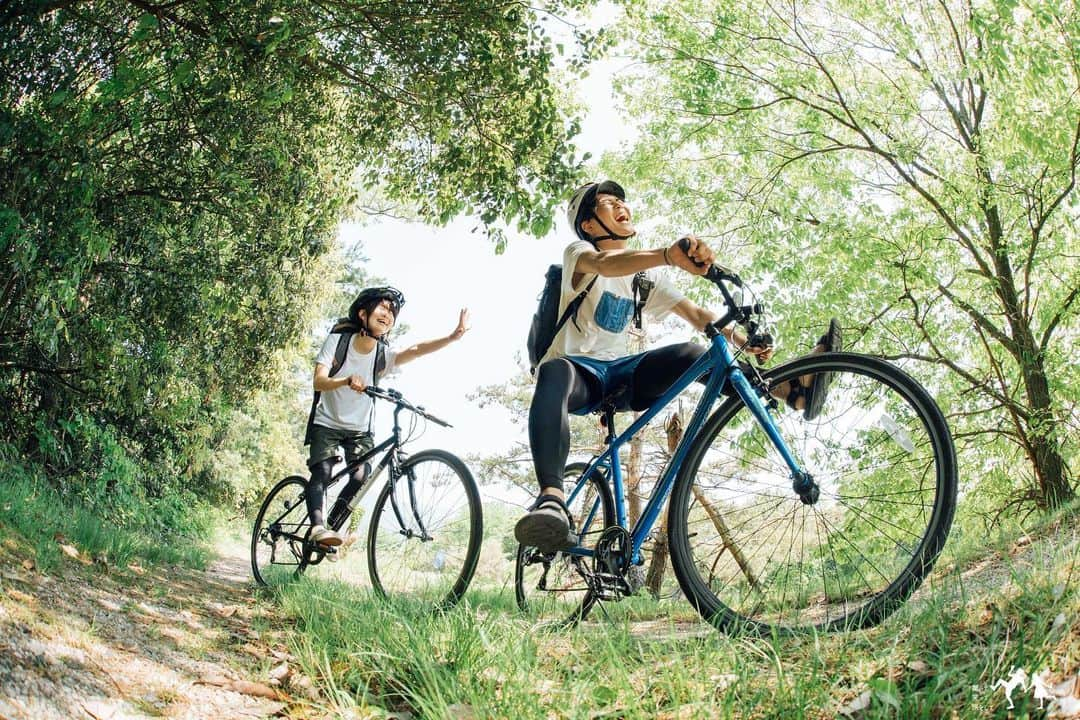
[
  {"x": 774, "y": 522},
  {"x": 424, "y": 530}
]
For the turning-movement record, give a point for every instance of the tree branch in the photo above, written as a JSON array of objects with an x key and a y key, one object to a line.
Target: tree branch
[{"x": 982, "y": 322}]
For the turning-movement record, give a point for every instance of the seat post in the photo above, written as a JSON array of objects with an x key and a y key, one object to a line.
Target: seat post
[{"x": 609, "y": 422}]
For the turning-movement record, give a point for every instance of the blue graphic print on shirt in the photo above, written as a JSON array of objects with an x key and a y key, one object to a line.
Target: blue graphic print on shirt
[{"x": 613, "y": 313}]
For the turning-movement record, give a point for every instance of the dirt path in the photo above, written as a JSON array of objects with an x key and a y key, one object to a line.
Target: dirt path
[{"x": 91, "y": 641}]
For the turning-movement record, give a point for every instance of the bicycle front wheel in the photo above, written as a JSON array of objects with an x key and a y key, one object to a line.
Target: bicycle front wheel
[
  {"x": 751, "y": 556},
  {"x": 552, "y": 586},
  {"x": 425, "y": 531},
  {"x": 278, "y": 544}
]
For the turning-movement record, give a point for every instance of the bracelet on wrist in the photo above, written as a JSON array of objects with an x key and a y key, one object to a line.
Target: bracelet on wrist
[{"x": 666, "y": 261}]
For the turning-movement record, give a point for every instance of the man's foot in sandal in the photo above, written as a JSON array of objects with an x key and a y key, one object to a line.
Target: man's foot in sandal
[
  {"x": 813, "y": 389},
  {"x": 547, "y": 526}
]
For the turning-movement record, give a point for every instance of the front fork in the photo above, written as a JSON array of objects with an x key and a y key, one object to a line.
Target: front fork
[
  {"x": 802, "y": 482},
  {"x": 396, "y": 475}
]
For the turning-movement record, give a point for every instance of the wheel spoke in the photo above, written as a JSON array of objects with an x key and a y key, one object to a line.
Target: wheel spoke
[
  {"x": 428, "y": 549},
  {"x": 277, "y": 545},
  {"x": 884, "y": 463},
  {"x": 565, "y": 597}
]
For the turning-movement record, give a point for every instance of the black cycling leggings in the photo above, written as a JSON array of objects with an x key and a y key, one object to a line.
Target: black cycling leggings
[
  {"x": 562, "y": 388},
  {"x": 321, "y": 472}
]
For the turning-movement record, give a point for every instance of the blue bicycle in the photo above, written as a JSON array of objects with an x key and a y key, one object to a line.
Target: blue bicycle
[{"x": 775, "y": 523}]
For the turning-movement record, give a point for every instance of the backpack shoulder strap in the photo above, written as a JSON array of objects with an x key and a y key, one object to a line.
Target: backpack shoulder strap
[
  {"x": 345, "y": 336},
  {"x": 341, "y": 352},
  {"x": 642, "y": 286},
  {"x": 380, "y": 361},
  {"x": 573, "y": 306}
]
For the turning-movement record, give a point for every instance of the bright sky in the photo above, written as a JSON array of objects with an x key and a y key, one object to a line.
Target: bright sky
[{"x": 441, "y": 270}]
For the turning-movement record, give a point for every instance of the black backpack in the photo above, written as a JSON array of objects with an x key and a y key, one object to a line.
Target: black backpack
[
  {"x": 345, "y": 330},
  {"x": 546, "y": 322}
]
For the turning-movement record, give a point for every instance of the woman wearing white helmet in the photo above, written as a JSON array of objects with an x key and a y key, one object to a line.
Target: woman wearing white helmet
[{"x": 341, "y": 414}]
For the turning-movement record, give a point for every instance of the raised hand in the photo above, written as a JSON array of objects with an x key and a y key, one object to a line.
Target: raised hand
[{"x": 462, "y": 326}]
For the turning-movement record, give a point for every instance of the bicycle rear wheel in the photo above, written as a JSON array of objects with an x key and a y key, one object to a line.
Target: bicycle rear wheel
[
  {"x": 551, "y": 586},
  {"x": 278, "y": 539},
  {"x": 425, "y": 531},
  {"x": 751, "y": 556}
]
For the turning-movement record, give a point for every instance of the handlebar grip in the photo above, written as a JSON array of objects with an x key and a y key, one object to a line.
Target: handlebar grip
[
  {"x": 716, "y": 273},
  {"x": 684, "y": 245}
]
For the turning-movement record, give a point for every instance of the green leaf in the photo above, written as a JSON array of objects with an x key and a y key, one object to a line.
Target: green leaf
[{"x": 183, "y": 72}]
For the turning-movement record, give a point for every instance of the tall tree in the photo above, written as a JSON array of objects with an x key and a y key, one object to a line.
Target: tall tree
[
  {"x": 911, "y": 167},
  {"x": 171, "y": 174}
]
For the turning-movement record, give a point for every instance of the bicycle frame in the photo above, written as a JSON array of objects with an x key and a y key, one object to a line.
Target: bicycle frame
[
  {"x": 391, "y": 444},
  {"x": 393, "y": 458},
  {"x": 721, "y": 363}
]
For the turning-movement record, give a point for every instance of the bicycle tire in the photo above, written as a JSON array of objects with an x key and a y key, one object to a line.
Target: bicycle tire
[
  {"x": 595, "y": 507},
  {"x": 884, "y": 460},
  {"x": 438, "y": 569},
  {"x": 276, "y": 556}
]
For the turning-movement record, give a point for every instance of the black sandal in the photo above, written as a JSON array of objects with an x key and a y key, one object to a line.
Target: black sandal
[
  {"x": 548, "y": 526},
  {"x": 797, "y": 391},
  {"x": 818, "y": 389}
]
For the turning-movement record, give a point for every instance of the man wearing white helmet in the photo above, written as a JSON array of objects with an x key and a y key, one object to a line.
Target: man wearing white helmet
[{"x": 587, "y": 360}]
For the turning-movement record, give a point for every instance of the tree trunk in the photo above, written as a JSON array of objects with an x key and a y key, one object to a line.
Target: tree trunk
[
  {"x": 1042, "y": 432},
  {"x": 633, "y": 478},
  {"x": 1042, "y": 428},
  {"x": 658, "y": 566}
]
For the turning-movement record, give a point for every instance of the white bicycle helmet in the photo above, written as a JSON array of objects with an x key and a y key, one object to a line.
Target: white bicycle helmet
[{"x": 583, "y": 203}]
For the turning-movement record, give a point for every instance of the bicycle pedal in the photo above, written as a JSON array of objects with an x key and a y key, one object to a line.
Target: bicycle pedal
[{"x": 610, "y": 587}]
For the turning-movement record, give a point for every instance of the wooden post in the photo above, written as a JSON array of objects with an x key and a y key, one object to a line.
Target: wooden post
[
  {"x": 634, "y": 464},
  {"x": 658, "y": 567},
  {"x": 725, "y": 534}
]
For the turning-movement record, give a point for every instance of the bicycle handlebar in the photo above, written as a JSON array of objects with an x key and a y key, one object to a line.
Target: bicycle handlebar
[
  {"x": 744, "y": 315},
  {"x": 395, "y": 397},
  {"x": 716, "y": 273}
]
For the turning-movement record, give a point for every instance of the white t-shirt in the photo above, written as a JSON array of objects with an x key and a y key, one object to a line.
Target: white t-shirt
[
  {"x": 344, "y": 408},
  {"x": 607, "y": 312}
]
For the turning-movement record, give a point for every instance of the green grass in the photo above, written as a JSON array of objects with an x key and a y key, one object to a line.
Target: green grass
[
  {"x": 940, "y": 656},
  {"x": 34, "y": 510}
]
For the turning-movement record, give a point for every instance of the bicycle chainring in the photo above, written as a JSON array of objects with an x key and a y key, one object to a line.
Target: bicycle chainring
[{"x": 611, "y": 560}]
